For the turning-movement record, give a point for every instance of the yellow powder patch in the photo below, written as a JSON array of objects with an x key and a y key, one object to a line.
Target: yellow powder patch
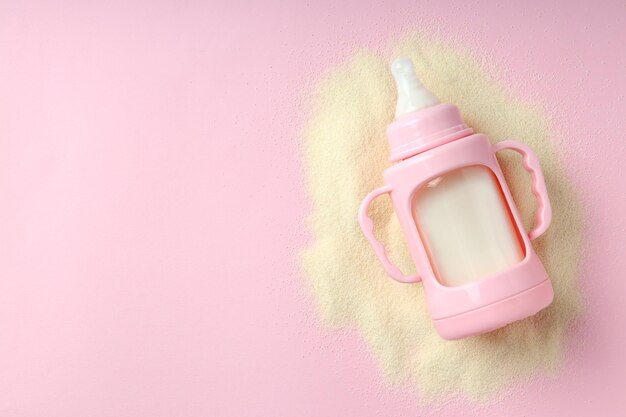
[{"x": 346, "y": 151}]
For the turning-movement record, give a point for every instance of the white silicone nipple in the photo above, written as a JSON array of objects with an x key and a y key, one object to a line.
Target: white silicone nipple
[{"x": 412, "y": 95}]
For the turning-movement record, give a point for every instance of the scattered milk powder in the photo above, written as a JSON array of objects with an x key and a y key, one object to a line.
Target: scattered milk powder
[{"x": 345, "y": 151}]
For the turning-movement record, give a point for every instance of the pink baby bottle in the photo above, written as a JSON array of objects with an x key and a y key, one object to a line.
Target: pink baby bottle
[{"x": 462, "y": 228}]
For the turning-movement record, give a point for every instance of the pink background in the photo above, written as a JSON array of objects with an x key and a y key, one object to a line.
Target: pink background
[{"x": 151, "y": 203}]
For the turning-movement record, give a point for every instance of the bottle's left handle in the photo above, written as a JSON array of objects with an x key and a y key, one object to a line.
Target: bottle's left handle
[{"x": 367, "y": 225}]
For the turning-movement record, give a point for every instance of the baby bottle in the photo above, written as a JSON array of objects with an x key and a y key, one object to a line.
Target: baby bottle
[{"x": 462, "y": 228}]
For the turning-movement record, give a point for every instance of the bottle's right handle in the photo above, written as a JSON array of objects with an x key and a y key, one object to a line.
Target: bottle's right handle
[
  {"x": 543, "y": 216},
  {"x": 367, "y": 225}
]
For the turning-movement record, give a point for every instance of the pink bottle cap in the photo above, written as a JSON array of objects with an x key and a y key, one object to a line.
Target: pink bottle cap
[{"x": 421, "y": 130}]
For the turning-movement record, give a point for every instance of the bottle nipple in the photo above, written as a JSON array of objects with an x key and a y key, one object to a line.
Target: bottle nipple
[{"x": 412, "y": 95}]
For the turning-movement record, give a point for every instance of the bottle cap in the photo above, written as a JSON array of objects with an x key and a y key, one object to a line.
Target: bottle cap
[{"x": 422, "y": 123}]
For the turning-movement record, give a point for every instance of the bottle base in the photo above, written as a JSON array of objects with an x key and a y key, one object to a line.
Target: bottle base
[{"x": 496, "y": 315}]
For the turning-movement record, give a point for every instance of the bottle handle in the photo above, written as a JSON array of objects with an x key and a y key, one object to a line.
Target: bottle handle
[
  {"x": 543, "y": 216},
  {"x": 367, "y": 225}
]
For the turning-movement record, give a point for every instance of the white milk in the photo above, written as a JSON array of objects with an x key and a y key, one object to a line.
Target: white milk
[{"x": 465, "y": 225}]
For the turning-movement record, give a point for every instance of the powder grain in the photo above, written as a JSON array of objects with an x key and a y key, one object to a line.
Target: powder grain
[{"x": 345, "y": 151}]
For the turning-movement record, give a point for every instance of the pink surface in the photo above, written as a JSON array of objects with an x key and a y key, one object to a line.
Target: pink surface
[{"x": 152, "y": 203}]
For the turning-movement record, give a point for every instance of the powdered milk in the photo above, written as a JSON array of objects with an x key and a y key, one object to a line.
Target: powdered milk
[{"x": 345, "y": 152}]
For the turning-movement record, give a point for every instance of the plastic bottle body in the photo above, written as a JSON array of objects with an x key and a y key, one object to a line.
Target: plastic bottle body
[
  {"x": 466, "y": 226},
  {"x": 509, "y": 288}
]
